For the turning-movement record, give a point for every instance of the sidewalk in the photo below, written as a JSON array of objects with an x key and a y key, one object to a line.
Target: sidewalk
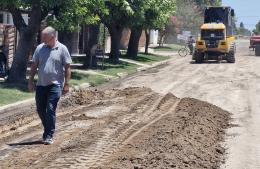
[{"x": 92, "y": 72}]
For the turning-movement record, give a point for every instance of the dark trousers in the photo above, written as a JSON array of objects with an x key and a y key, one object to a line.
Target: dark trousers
[
  {"x": 191, "y": 48},
  {"x": 47, "y": 98}
]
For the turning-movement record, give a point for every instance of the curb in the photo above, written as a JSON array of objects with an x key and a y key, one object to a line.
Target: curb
[
  {"x": 82, "y": 86},
  {"x": 30, "y": 101},
  {"x": 154, "y": 65},
  {"x": 9, "y": 107}
]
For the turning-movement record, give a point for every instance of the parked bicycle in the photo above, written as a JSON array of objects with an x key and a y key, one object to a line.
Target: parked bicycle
[{"x": 184, "y": 51}]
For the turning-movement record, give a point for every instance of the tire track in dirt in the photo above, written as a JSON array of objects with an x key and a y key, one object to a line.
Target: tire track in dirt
[
  {"x": 188, "y": 137},
  {"x": 110, "y": 139},
  {"x": 95, "y": 126},
  {"x": 145, "y": 101}
]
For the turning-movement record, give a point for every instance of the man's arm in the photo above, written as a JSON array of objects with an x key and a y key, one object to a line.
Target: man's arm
[
  {"x": 33, "y": 71},
  {"x": 67, "y": 78}
]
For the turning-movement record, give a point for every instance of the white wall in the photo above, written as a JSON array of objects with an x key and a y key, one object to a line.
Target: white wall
[
  {"x": 154, "y": 35},
  {"x": 8, "y": 19}
]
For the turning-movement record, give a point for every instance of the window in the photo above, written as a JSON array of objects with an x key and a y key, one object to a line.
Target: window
[{"x": 212, "y": 35}]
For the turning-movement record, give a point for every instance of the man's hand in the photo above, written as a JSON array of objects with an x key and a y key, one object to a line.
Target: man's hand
[
  {"x": 30, "y": 86},
  {"x": 66, "y": 89}
]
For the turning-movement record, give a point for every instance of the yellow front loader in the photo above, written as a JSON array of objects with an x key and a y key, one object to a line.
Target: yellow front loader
[{"x": 216, "y": 41}]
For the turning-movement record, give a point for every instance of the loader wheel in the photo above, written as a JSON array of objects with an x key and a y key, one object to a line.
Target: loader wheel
[
  {"x": 231, "y": 57},
  {"x": 198, "y": 57},
  {"x": 257, "y": 50}
]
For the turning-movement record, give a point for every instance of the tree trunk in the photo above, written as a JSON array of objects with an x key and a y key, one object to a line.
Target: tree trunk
[
  {"x": 161, "y": 37},
  {"x": 147, "y": 40},
  {"x": 116, "y": 34},
  {"x": 133, "y": 45},
  {"x": 27, "y": 39},
  {"x": 91, "y": 41},
  {"x": 18, "y": 70}
]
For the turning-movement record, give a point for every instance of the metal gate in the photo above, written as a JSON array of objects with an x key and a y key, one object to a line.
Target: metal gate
[{"x": 8, "y": 42}]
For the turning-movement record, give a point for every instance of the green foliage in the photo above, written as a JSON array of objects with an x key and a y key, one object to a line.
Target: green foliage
[
  {"x": 11, "y": 93},
  {"x": 257, "y": 28},
  {"x": 203, "y": 3},
  {"x": 114, "y": 12},
  {"x": 67, "y": 14},
  {"x": 189, "y": 16},
  {"x": 158, "y": 13},
  {"x": 147, "y": 59},
  {"x": 114, "y": 69},
  {"x": 242, "y": 30},
  {"x": 80, "y": 78},
  {"x": 72, "y": 13},
  {"x": 63, "y": 14}
]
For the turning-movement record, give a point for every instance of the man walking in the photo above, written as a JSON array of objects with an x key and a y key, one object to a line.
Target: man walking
[{"x": 53, "y": 62}]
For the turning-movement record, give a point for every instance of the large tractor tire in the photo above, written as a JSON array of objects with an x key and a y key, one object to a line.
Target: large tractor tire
[
  {"x": 199, "y": 57},
  {"x": 257, "y": 49},
  {"x": 231, "y": 57}
]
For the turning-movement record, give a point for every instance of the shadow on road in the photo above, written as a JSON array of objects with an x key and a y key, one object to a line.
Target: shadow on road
[
  {"x": 209, "y": 62},
  {"x": 26, "y": 143}
]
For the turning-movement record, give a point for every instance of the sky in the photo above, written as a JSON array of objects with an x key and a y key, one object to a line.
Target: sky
[{"x": 247, "y": 11}]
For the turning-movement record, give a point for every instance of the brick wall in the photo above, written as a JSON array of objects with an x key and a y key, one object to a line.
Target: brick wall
[
  {"x": 8, "y": 40},
  {"x": 126, "y": 36}
]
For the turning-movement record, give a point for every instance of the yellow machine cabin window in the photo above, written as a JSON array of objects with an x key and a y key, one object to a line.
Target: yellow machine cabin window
[{"x": 212, "y": 35}]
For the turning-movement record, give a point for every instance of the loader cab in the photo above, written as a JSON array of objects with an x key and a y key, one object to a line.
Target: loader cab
[
  {"x": 223, "y": 15},
  {"x": 213, "y": 34}
]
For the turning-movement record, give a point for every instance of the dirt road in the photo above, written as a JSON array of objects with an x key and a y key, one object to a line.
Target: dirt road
[
  {"x": 233, "y": 87},
  {"x": 154, "y": 119}
]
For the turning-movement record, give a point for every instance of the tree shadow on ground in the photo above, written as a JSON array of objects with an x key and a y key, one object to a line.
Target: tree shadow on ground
[
  {"x": 139, "y": 58},
  {"x": 161, "y": 47},
  {"x": 210, "y": 62},
  {"x": 19, "y": 86}
]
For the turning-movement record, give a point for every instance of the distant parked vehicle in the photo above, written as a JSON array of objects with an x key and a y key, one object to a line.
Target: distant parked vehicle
[{"x": 255, "y": 44}]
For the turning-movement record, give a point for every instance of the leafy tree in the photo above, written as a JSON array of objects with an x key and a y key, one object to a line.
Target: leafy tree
[
  {"x": 257, "y": 28},
  {"x": 68, "y": 13},
  {"x": 115, "y": 20},
  {"x": 188, "y": 17},
  {"x": 242, "y": 30},
  {"x": 203, "y": 3},
  {"x": 135, "y": 23},
  {"x": 157, "y": 16}
]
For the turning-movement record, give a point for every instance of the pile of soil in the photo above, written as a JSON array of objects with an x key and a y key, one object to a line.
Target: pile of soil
[
  {"x": 120, "y": 129},
  {"x": 188, "y": 138}
]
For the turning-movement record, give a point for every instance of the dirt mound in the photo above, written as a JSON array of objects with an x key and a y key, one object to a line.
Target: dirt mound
[
  {"x": 168, "y": 98},
  {"x": 188, "y": 138},
  {"x": 80, "y": 97},
  {"x": 121, "y": 128},
  {"x": 84, "y": 97}
]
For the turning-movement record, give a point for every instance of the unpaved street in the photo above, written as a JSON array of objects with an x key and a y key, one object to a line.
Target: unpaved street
[
  {"x": 233, "y": 87},
  {"x": 159, "y": 118}
]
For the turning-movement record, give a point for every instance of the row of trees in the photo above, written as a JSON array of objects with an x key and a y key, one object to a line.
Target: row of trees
[
  {"x": 67, "y": 15},
  {"x": 257, "y": 29},
  {"x": 114, "y": 14},
  {"x": 242, "y": 30}
]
